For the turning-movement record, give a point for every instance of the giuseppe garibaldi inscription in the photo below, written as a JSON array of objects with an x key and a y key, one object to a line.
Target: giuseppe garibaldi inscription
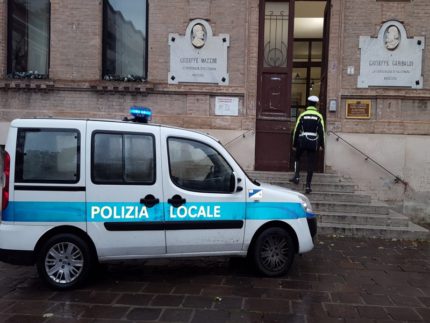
[{"x": 392, "y": 59}]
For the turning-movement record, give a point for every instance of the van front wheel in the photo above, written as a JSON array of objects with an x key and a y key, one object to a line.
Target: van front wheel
[
  {"x": 64, "y": 261},
  {"x": 273, "y": 252}
]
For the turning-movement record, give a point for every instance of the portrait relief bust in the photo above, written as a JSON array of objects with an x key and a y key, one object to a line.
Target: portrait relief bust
[
  {"x": 392, "y": 37},
  {"x": 198, "y": 35}
]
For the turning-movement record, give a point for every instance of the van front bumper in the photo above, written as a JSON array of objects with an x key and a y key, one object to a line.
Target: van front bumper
[
  {"x": 17, "y": 257},
  {"x": 312, "y": 223}
]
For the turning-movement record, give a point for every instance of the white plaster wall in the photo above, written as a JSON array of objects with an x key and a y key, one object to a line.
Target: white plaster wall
[
  {"x": 407, "y": 156},
  {"x": 239, "y": 143},
  {"x": 417, "y": 171}
]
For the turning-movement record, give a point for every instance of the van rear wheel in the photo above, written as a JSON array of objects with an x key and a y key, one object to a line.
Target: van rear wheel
[
  {"x": 64, "y": 261},
  {"x": 273, "y": 252}
]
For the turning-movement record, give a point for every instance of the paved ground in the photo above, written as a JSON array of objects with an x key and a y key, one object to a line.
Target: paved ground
[{"x": 341, "y": 280}]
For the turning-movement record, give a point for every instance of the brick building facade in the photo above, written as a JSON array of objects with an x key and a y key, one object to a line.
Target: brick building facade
[{"x": 396, "y": 134}]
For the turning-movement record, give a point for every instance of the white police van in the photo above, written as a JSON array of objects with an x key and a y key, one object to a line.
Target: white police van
[{"x": 79, "y": 192}]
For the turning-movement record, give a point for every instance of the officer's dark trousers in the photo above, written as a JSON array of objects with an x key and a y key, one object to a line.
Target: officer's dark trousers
[{"x": 311, "y": 156}]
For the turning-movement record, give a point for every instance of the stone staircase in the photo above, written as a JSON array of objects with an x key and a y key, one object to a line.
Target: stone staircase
[{"x": 343, "y": 212}]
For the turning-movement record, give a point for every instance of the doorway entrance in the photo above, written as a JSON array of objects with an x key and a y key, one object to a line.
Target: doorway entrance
[{"x": 292, "y": 66}]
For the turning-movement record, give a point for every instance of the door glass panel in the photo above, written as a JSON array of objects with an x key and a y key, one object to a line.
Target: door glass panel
[
  {"x": 276, "y": 34},
  {"x": 316, "y": 52},
  {"x": 309, "y": 19},
  {"x": 307, "y": 53},
  {"x": 301, "y": 51},
  {"x": 315, "y": 84},
  {"x": 298, "y": 92}
]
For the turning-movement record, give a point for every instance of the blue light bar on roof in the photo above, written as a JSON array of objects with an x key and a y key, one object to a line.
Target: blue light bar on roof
[{"x": 141, "y": 114}]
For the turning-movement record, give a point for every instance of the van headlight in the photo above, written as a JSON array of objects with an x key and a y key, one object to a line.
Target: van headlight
[{"x": 306, "y": 204}]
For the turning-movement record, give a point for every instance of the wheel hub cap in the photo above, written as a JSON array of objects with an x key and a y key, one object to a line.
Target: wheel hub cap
[
  {"x": 274, "y": 253},
  {"x": 64, "y": 262}
]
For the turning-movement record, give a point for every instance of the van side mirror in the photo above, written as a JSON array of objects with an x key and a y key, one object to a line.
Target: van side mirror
[{"x": 234, "y": 181}]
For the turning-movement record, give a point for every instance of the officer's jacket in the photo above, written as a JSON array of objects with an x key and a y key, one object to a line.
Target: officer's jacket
[{"x": 309, "y": 130}]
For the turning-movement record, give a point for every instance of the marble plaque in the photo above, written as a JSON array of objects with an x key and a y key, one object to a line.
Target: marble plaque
[
  {"x": 226, "y": 106},
  {"x": 199, "y": 56},
  {"x": 392, "y": 59}
]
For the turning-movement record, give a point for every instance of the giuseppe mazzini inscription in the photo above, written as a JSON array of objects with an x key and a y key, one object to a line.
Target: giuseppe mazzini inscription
[{"x": 198, "y": 57}]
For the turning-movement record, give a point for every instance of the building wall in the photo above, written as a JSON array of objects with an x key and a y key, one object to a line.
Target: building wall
[
  {"x": 394, "y": 110},
  {"x": 400, "y": 119},
  {"x": 398, "y": 132},
  {"x": 76, "y": 29},
  {"x": 75, "y": 88},
  {"x": 3, "y": 37}
]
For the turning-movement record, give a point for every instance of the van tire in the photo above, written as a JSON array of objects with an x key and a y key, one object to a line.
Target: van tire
[
  {"x": 64, "y": 261},
  {"x": 273, "y": 252}
]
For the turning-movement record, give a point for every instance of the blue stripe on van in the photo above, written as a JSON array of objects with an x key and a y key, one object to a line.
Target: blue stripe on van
[
  {"x": 274, "y": 211},
  {"x": 136, "y": 212},
  {"x": 44, "y": 212}
]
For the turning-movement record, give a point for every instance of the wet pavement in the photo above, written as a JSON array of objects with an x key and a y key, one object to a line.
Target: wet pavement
[{"x": 341, "y": 280}]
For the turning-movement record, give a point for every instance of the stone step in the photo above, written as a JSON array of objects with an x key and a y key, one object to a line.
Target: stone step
[
  {"x": 339, "y": 197},
  {"x": 319, "y": 187},
  {"x": 324, "y": 206},
  {"x": 410, "y": 232},
  {"x": 283, "y": 177},
  {"x": 343, "y": 211},
  {"x": 388, "y": 220}
]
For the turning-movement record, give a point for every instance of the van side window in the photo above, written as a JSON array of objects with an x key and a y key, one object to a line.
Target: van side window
[
  {"x": 47, "y": 155},
  {"x": 122, "y": 158},
  {"x": 198, "y": 167}
]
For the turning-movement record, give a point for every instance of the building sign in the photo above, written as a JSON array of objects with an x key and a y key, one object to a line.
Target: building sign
[
  {"x": 391, "y": 59},
  {"x": 226, "y": 106},
  {"x": 198, "y": 57},
  {"x": 358, "y": 109}
]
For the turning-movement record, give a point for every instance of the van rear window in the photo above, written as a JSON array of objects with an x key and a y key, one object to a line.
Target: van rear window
[{"x": 47, "y": 155}]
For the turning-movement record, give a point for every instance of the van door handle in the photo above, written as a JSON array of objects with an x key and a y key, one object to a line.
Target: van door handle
[
  {"x": 176, "y": 200},
  {"x": 149, "y": 200}
]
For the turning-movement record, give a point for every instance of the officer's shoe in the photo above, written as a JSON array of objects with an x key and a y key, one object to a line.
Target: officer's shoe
[
  {"x": 308, "y": 189},
  {"x": 294, "y": 180}
]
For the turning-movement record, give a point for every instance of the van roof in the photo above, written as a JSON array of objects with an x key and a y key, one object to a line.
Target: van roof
[{"x": 128, "y": 121}]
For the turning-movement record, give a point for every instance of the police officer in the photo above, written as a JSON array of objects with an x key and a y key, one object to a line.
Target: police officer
[{"x": 308, "y": 136}]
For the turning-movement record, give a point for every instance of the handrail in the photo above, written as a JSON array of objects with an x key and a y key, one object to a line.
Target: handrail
[
  {"x": 397, "y": 179},
  {"x": 243, "y": 135}
]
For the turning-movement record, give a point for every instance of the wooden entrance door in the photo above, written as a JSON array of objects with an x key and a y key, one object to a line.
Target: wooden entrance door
[
  {"x": 292, "y": 66},
  {"x": 273, "y": 129}
]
